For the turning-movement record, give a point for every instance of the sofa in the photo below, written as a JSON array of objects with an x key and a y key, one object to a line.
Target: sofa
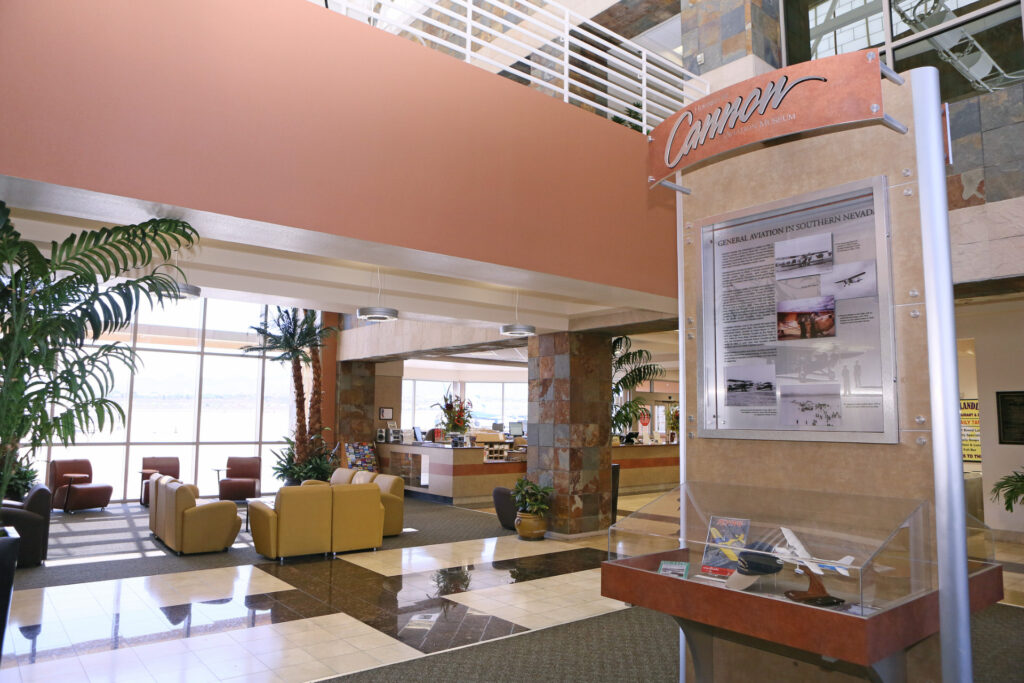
[
  {"x": 187, "y": 524},
  {"x": 73, "y": 488},
  {"x": 31, "y": 517},
  {"x": 392, "y": 494},
  {"x": 317, "y": 518}
]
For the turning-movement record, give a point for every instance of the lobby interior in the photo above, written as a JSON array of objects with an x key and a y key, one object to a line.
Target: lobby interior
[{"x": 496, "y": 205}]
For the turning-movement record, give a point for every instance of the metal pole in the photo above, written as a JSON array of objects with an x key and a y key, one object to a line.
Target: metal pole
[
  {"x": 681, "y": 312},
  {"x": 950, "y": 527}
]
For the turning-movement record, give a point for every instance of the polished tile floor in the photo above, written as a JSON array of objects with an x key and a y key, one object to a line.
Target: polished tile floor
[
  {"x": 313, "y": 618},
  {"x": 302, "y": 620}
]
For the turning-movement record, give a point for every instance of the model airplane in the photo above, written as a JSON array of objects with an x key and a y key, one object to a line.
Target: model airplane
[
  {"x": 794, "y": 551},
  {"x": 853, "y": 279}
]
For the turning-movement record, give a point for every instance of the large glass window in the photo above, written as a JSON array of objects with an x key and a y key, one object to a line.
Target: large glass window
[
  {"x": 425, "y": 395},
  {"x": 977, "y": 45},
  {"x": 196, "y": 395},
  {"x": 486, "y": 399}
]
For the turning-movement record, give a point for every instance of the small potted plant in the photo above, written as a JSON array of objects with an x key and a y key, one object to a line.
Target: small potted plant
[
  {"x": 672, "y": 423},
  {"x": 532, "y": 501},
  {"x": 1010, "y": 488}
]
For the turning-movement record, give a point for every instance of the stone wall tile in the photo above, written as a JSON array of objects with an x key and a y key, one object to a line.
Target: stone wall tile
[
  {"x": 966, "y": 189},
  {"x": 563, "y": 436},
  {"x": 1002, "y": 107},
  {"x": 546, "y": 345},
  {"x": 1004, "y": 145},
  {"x": 561, "y": 389},
  {"x": 1004, "y": 182},
  {"x": 547, "y": 367},
  {"x": 733, "y": 22},
  {"x": 560, "y": 343},
  {"x": 1005, "y": 219},
  {"x": 562, "y": 366},
  {"x": 964, "y": 118},
  {"x": 967, "y": 153},
  {"x": 1008, "y": 257}
]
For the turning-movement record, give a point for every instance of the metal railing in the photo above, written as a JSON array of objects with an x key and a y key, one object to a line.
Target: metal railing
[{"x": 545, "y": 46}]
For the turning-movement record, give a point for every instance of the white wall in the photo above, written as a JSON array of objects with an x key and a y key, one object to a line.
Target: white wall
[{"x": 998, "y": 332}]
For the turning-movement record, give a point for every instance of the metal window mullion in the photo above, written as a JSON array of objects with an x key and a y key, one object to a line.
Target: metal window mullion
[
  {"x": 263, "y": 393},
  {"x": 199, "y": 392}
]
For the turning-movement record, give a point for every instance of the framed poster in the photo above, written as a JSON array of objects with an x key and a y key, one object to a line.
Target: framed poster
[
  {"x": 970, "y": 430},
  {"x": 796, "y": 323},
  {"x": 1010, "y": 412},
  {"x": 387, "y": 413}
]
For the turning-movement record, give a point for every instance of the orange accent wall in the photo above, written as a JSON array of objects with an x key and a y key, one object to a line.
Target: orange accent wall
[{"x": 288, "y": 113}]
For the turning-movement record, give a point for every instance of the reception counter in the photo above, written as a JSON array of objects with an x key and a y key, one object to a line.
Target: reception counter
[
  {"x": 643, "y": 469},
  {"x": 455, "y": 475},
  {"x": 461, "y": 476}
]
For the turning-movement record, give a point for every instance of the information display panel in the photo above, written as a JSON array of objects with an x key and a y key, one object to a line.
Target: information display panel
[{"x": 796, "y": 326}]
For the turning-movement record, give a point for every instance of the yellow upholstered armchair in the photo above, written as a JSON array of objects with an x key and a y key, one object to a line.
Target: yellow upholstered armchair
[
  {"x": 357, "y": 517},
  {"x": 392, "y": 495},
  {"x": 186, "y": 526},
  {"x": 298, "y": 524},
  {"x": 342, "y": 475}
]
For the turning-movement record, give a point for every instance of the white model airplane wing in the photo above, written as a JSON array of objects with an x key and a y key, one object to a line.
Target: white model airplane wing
[
  {"x": 800, "y": 550},
  {"x": 837, "y": 567}
]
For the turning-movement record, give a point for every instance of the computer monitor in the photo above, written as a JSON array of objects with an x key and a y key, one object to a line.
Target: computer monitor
[
  {"x": 515, "y": 429},
  {"x": 498, "y": 426},
  {"x": 417, "y": 434}
]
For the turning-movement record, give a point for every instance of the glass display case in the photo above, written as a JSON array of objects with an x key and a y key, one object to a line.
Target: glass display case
[{"x": 848, "y": 553}]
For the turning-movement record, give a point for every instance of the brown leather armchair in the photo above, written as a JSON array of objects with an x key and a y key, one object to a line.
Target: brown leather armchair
[
  {"x": 31, "y": 517},
  {"x": 157, "y": 465},
  {"x": 74, "y": 488},
  {"x": 242, "y": 480}
]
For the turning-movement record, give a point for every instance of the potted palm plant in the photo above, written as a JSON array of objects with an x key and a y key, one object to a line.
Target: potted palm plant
[
  {"x": 630, "y": 368},
  {"x": 297, "y": 339},
  {"x": 53, "y": 383},
  {"x": 1010, "y": 488},
  {"x": 532, "y": 501}
]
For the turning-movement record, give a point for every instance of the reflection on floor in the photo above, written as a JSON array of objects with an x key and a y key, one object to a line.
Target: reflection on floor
[{"x": 308, "y": 618}]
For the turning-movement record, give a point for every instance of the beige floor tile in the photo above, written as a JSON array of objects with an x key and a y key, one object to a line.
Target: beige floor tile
[
  {"x": 255, "y": 677},
  {"x": 195, "y": 674},
  {"x": 66, "y": 669},
  {"x": 215, "y": 640},
  {"x": 536, "y": 621},
  {"x": 397, "y": 652},
  {"x": 169, "y": 663},
  {"x": 279, "y": 659},
  {"x": 309, "y": 671},
  {"x": 369, "y": 641},
  {"x": 333, "y": 648},
  {"x": 355, "y": 661},
  {"x": 275, "y": 644},
  {"x": 10, "y": 675},
  {"x": 237, "y": 666}
]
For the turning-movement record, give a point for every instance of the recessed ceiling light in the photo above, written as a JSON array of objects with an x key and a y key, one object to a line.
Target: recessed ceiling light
[
  {"x": 376, "y": 313},
  {"x": 518, "y": 330}
]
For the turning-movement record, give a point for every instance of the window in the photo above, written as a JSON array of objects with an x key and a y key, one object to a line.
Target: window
[
  {"x": 196, "y": 396},
  {"x": 977, "y": 45}
]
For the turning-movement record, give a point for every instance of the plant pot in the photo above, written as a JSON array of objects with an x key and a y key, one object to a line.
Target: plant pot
[
  {"x": 530, "y": 527},
  {"x": 289, "y": 481},
  {"x": 8, "y": 562}
]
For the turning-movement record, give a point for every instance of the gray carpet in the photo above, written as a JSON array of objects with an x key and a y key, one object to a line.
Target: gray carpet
[
  {"x": 641, "y": 645},
  {"x": 125, "y": 529}
]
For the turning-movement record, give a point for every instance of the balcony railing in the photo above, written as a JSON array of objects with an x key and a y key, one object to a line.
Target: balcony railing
[{"x": 545, "y": 46}]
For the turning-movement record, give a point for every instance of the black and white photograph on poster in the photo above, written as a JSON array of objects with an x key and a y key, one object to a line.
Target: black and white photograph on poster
[
  {"x": 802, "y": 256},
  {"x": 810, "y": 361},
  {"x": 850, "y": 280},
  {"x": 812, "y": 318},
  {"x": 817, "y": 406},
  {"x": 750, "y": 385},
  {"x": 798, "y": 288}
]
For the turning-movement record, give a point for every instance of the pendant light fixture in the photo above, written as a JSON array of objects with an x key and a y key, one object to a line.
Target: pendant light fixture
[
  {"x": 377, "y": 313},
  {"x": 518, "y": 329}
]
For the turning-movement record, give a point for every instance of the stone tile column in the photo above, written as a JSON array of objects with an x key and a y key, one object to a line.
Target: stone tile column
[
  {"x": 569, "y": 437},
  {"x": 355, "y": 406}
]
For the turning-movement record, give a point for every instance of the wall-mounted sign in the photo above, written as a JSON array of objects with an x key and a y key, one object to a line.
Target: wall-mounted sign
[
  {"x": 796, "y": 320},
  {"x": 818, "y": 94},
  {"x": 1010, "y": 411},
  {"x": 970, "y": 430}
]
